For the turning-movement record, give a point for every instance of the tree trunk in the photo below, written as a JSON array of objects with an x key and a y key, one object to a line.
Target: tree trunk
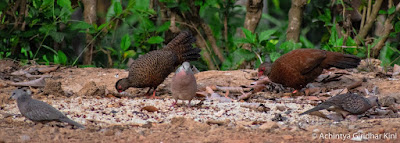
[
  {"x": 253, "y": 16},
  {"x": 295, "y": 18},
  {"x": 90, "y": 18}
]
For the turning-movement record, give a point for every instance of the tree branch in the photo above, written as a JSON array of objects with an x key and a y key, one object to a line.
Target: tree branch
[
  {"x": 388, "y": 28},
  {"x": 370, "y": 21}
]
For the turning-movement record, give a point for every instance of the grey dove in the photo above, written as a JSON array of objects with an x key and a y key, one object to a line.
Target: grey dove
[
  {"x": 39, "y": 111},
  {"x": 183, "y": 84},
  {"x": 346, "y": 104}
]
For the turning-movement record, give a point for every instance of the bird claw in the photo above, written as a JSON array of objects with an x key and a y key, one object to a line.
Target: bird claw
[
  {"x": 276, "y": 87},
  {"x": 153, "y": 97}
]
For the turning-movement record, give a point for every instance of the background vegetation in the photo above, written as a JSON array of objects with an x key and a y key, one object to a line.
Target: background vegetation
[{"x": 232, "y": 34}]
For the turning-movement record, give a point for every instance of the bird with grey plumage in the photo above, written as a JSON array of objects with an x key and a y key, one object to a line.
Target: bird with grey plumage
[
  {"x": 183, "y": 84},
  {"x": 39, "y": 111},
  {"x": 151, "y": 69},
  {"x": 347, "y": 104}
]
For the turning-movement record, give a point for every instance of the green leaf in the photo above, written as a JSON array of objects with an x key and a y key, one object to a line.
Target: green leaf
[
  {"x": 265, "y": 35},
  {"x": 47, "y": 28},
  {"x": 57, "y": 36},
  {"x": 382, "y": 12},
  {"x": 155, "y": 40},
  {"x": 129, "y": 54},
  {"x": 3, "y": 5},
  {"x": 274, "y": 55},
  {"x": 125, "y": 42},
  {"x": 397, "y": 27},
  {"x": 56, "y": 59},
  {"x": 164, "y": 27},
  {"x": 117, "y": 8},
  {"x": 227, "y": 64},
  {"x": 306, "y": 42},
  {"x": 45, "y": 59},
  {"x": 62, "y": 58},
  {"x": 391, "y": 10},
  {"x": 249, "y": 35},
  {"x": 289, "y": 46},
  {"x": 81, "y": 25},
  {"x": 65, "y": 4},
  {"x": 385, "y": 55},
  {"x": 276, "y": 4},
  {"x": 49, "y": 48}
]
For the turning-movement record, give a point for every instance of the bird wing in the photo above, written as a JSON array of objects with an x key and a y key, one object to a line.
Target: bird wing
[
  {"x": 151, "y": 69},
  {"x": 312, "y": 60},
  {"x": 39, "y": 111}
]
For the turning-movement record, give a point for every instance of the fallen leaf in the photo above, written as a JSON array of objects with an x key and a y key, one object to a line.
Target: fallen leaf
[
  {"x": 287, "y": 137},
  {"x": 150, "y": 108},
  {"x": 110, "y": 96},
  {"x": 312, "y": 98},
  {"x": 48, "y": 69},
  {"x": 40, "y": 82},
  {"x": 396, "y": 69},
  {"x": 201, "y": 94}
]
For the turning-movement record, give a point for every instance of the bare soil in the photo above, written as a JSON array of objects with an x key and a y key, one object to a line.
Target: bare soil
[{"x": 88, "y": 96}]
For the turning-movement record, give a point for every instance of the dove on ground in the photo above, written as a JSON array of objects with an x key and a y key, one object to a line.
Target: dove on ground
[
  {"x": 183, "y": 84},
  {"x": 39, "y": 111},
  {"x": 346, "y": 104}
]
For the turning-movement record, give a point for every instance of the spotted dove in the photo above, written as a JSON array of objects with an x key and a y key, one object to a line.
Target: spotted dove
[
  {"x": 39, "y": 111},
  {"x": 183, "y": 84}
]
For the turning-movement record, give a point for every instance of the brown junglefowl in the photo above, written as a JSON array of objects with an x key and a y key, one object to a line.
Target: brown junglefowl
[{"x": 299, "y": 67}]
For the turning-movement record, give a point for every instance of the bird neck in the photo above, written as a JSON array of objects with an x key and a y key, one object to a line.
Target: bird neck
[{"x": 24, "y": 98}]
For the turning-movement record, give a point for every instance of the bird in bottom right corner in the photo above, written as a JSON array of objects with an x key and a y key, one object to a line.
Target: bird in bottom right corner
[
  {"x": 347, "y": 104},
  {"x": 183, "y": 84}
]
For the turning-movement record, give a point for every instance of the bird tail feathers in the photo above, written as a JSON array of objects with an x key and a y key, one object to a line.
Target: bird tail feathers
[
  {"x": 316, "y": 108},
  {"x": 341, "y": 61},
  {"x": 69, "y": 121},
  {"x": 181, "y": 45}
]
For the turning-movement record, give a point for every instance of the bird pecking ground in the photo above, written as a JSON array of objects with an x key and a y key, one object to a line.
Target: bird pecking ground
[{"x": 88, "y": 96}]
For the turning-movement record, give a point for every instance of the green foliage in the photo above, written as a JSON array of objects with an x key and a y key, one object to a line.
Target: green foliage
[{"x": 130, "y": 29}]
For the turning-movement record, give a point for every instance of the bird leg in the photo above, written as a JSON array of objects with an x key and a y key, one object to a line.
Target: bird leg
[
  {"x": 147, "y": 93},
  {"x": 276, "y": 87},
  {"x": 154, "y": 95},
  {"x": 174, "y": 103},
  {"x": 189, "y": 103}
]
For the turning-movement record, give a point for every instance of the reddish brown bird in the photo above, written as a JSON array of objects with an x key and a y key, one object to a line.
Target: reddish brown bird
[
  {"x": 299, "y": 67},
  {"x": 151, "y": 69}
]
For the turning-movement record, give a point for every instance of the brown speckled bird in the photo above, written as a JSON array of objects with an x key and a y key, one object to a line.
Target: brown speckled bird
[
  {"x": 183, "y": 84},
  {"x": 348, "y": 103},
  {"x": 299, "y": 67},
  {"x": 151, "y": 69}
]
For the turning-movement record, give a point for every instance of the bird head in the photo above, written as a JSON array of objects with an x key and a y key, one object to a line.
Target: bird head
[
  {"x": 122, "y": 85},
  {"x": 264, "y": 69},
  {"x": 20, "y": 93},
  {"x": 374, "y": 100},
  {"x": 184, "y": 67}
]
